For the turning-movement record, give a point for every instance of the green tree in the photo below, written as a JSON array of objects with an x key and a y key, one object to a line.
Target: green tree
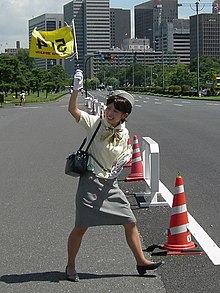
[
  {"x": 209, "y": 67},
  {"x": 58, "y": 76},
  {"x": 37, "y": 79},
  {"x": 48, "y": 86},
  {"x": 180, "y": 75},
  {"x": 23, "y": 57}
]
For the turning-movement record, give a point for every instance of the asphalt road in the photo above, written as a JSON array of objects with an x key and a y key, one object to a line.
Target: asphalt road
[{"x": 37, "y": 206}]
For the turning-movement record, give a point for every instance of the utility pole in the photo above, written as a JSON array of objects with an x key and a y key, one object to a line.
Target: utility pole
[
  {"x": 161, "y": 34},
  {"x": 197, "y": 47},
  {"x": 144, "y": 66},
  {"x": 197, "y": 41}
]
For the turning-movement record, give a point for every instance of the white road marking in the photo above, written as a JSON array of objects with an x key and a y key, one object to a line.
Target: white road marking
[
  {"x": 205, "y": 241},
  {"x": 28, "y": 107},
  {"x": 186, "y": 102},
  {"x": 178, "y": 105},
  {"x": 158, "y": 103},
  {"x": 212, "y": 104}
]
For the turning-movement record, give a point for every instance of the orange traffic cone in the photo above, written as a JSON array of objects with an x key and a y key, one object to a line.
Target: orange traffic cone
[
  {"x": 137, "y": 165},
  {"x": 179, "y": 237},
  {"x": 129, "y": 164}
]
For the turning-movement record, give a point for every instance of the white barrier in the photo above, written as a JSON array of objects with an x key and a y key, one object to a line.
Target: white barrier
[
  {"x": 89, "y": 104},
  {"x": 151, "y": 168}
]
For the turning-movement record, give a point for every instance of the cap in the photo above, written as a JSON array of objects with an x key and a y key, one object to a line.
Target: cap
[{"x": 125, "y": 95}]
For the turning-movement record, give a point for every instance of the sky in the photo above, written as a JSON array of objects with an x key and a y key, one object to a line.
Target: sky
[{"x": 14, "y": 15}]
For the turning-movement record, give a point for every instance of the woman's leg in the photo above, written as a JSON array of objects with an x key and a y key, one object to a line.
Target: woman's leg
[
  {"x": 134, "y": 242},
  {"x": 74, "y": 242}
]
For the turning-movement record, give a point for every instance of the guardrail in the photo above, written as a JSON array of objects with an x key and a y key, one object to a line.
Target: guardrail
[{"x": 151, "y": 170}]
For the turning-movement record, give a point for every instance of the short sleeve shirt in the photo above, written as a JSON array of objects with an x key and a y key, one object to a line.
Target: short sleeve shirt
[{"x": 106, "y": 153}]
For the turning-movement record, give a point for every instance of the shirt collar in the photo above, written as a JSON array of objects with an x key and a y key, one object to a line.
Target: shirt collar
[{"x": 108, "y": 125}]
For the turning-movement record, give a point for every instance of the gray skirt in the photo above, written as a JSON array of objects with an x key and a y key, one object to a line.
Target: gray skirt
[{"x": 101, "y": 202}]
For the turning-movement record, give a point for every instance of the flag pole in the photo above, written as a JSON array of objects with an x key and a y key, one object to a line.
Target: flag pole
[{"x": 75, "y": 42}]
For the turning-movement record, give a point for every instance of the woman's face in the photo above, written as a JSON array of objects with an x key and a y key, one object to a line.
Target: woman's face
[{"x": 114, "y": 116}]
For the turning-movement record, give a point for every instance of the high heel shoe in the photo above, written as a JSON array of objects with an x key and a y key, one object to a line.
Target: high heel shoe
[
  {"x": 142, "y": 269},
  {"x": 72, "y": 278}
]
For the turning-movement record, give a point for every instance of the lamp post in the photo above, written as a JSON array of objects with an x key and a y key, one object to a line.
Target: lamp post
[
  {"x": 144, "y": 66},
  {"x": 162, "y": 49},
  {"x": 197, "y": 47},
  {"x": 85, "y": 71},
  {"x": 151, "y": 74},
  {"x": 133, "y": 68},
  {"x": 197, "y": 40}
]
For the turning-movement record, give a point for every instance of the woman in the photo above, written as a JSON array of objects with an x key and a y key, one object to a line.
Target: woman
[{"x": 99, "y": 200}]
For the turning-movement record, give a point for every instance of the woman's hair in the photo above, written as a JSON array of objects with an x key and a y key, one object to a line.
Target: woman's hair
[{"x": 121, "y": 104}]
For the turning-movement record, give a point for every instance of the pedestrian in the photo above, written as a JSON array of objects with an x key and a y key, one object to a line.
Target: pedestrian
[
  {"x": 22, "y": 97},
  {"x": 99, "y": 200}
]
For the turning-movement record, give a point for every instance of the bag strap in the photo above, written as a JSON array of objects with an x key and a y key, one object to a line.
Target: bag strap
[
  {"x": 103, "y": 168},
  {"x": 93, "y": 136},
  {"x": 83, "y": 143}
]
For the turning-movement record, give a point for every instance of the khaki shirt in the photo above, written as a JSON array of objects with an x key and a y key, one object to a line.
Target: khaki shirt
[{"x": 109, "y": 147}]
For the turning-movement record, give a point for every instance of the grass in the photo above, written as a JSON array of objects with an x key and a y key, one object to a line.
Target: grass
[
  {"x": 33, "y": 98},
  {"x": 202, "y": 98}
]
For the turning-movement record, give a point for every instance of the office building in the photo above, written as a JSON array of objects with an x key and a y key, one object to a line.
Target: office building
[
  {"x": 92, "y": 24},
  {"x": 149, "y": 15},
  {"x": 124, "y": 58},
  {"x": 13, "y": 51},
  {"x": 120, "y": 26},
  {"x": 209, "y": 37},
  {"x": 136, "y": 45},
  {"x": 175, "y": 38},
  {"x": 181, "y": 39},
  {"x": 46, "y": 22}
]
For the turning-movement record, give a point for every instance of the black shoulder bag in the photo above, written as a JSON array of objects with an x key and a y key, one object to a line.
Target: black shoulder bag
[{"x": 76, "y": 163}]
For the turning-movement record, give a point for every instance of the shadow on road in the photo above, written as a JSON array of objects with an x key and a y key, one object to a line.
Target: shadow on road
[{"x": 56, "y": 276}]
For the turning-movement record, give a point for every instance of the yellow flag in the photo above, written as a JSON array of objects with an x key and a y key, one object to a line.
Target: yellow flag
[{"x": 55, "y": 44}]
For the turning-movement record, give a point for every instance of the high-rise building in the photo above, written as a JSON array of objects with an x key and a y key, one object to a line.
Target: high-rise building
[
  {"x": 175, "y": 38},
  {"x": 92, "y": 25},
  {"x": 120, "y": 26},
  {"x": 149, "y": 15},
  {"x": 46, "y": 22},
  {"x": 209, "y": 37}
]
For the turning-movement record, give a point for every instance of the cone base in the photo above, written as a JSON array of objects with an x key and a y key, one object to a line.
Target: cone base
[
  {"x": 134, "y": 177},
  {"x": 181, "y": 247},
  {"x": 128, "y": 165}
]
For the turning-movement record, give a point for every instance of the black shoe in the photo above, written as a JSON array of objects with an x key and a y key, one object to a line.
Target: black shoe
[
  {"x": 72, "y": 278},
  {"x": 142, "y": 269}
]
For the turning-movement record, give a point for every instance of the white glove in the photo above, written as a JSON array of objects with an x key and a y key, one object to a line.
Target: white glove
[{"x": 78, "y": 80}]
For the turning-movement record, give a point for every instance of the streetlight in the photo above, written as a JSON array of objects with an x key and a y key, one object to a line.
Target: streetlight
[
  {"x": 85, "y": 69},
  {"x": 151, "y": 74},
  {"x": 133, "y": 68},
  {"x": 144, "y": 66},
  {"x": 162, "y": 57},
  {"x": 197, "y": 43}
]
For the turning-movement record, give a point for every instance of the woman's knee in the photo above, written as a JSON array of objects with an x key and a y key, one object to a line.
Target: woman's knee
[
  {"x": 79, "y": 231},
  {"x": 130, "y": 226}
]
